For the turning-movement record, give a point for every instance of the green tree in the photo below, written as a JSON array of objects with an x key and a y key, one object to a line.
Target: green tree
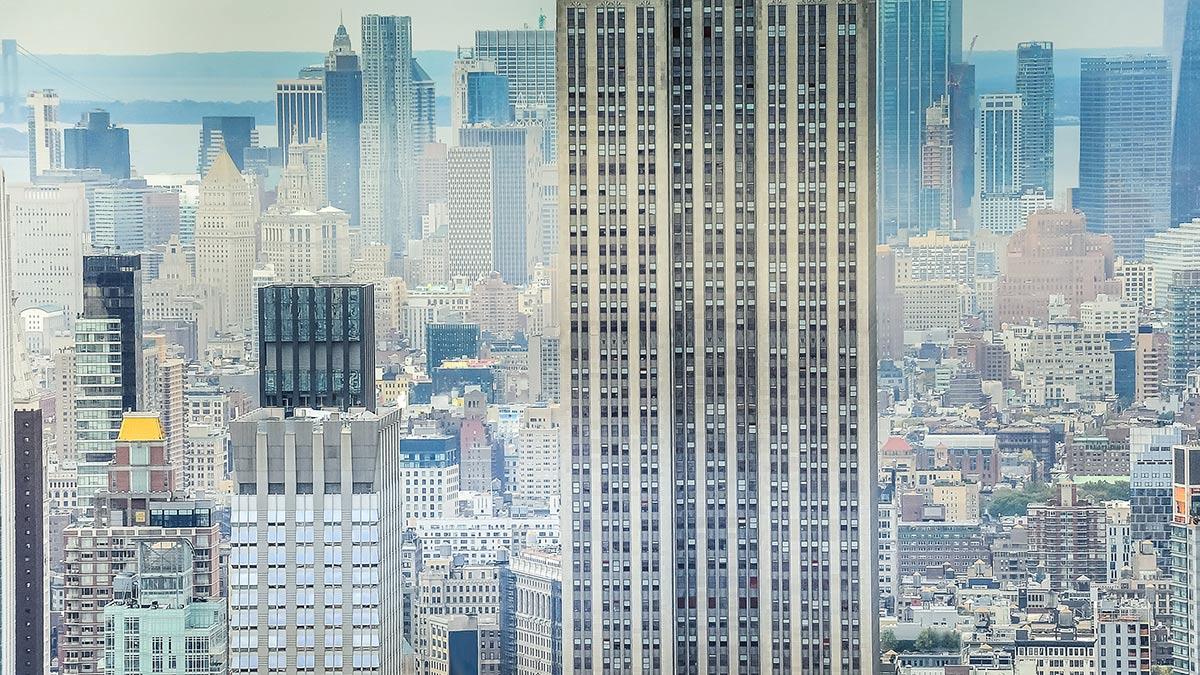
[
  {"x": 1101, "y": 491},
  {"x": 1009, "y": 502},
  {"x": 888, "y": 640}
]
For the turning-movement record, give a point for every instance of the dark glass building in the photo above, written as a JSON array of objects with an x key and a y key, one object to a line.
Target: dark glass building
[
  {"x": 234, "y": 133},
  {"x": 487, "y": 99},
  {"x": 1035, "y": 84},
  {"x": 445, "y": 341},
  {"x": 112, "y": 289},
  {"x": 29, "y": 531},
  {"x": 1185, "y": 156},
  {"x": 95, "y": 143},
  {"x": 317, "y": 346},
  {"x": 1125, "y": 149},
  {"x": 343, "y": 117},
  {"x": 424, "y": 109}
]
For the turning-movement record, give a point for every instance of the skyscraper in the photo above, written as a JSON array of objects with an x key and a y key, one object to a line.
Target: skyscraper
[
  {"x": 469, "y": 201},
  {"x": 232, "y": 133},
  {"x": 466, "y": 66},
  {"x": 96, "y": 143},
  {"x": 1185, "y": 165},
  {"x": 1185, "y": 561},
  {"x": 937, "y": 168},
  {"x": 299, "y": 111},
  {"x": 343, "y": 116},
  {"x": 516, "y": 195},
  {"x": 225, "y": 243},
  {"x": 917, "y": 44},
  {"x": 998, "y": 145},
  {"x": 1035, "y": 84},
  {"x": 387, "y": 157},
  {"x": 108, "y": 363},
  {"x": 719, "y": 489},
  {"x": 526, "y": 58},
  {"x": 487, "y": 99},
  {"x": 45, "y": 138},
  {"x": 1125, "y": 148},
  {"x": 49, "y": 235},
  {"x": 424, "y": 109},
  {"x": 962, "y": 129},
  {"x": 8, "y": 483}
]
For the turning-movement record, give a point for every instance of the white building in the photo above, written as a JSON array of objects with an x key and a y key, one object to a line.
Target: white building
[
  {"x": 1170, "y": 251},
  {"x": 538, "y": 580},
  {"x": 45, "y": 134},
  {"x": 49, "y": 237},
  {"x": 1137, "y": 282},
  {"x": 470, "y": 231},
  {"x": 1064, "y": 364},
  {"x": 1109, "y": 315},
  {"x": 935, "y": 256},
  {"x": 206, "y": 453},
  {"x": 1123, "y": 636},
  {"x": 117, "y": 218},
  {"x": 1119, "y": 540},
  {"x": 998, "y": 145},
  {"x": 303, "y": 237},
  {"x": 429, "y": 473},
  {"x": 225, "y": 243},
  {"x": 539, "y": 452},
  {"x": 312, "y": 539},
  {"x": 483, "y": 540},
  {"x": 1005, "y": 214}
]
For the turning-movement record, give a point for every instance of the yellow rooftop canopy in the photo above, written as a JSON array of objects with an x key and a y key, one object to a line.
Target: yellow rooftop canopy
[{"x": 141, "y": 427}]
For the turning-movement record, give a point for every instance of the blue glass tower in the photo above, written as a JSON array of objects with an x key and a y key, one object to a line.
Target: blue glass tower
[
  {"x": 95, "y": 143},
  {"x": 1125, "y": 149},
  {"x": 1185, "y": 156},
  {"x": 343, "y": 117},
  {"x": 919, "y": 40},
  {"x": 487, "y": 99}
]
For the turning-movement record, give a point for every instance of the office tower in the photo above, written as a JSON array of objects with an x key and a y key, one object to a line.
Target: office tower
[
  {"x": 96, "y": 143},
  {"x": 1053, "y": 255},
  {"x": 225, "y": 243},
  {"x": 449, "y": 341},
  {"x": 1185, "y": 166},
  {"x": 889, "y": 305},
  {"x": 343, "y": 116},
  {"x": 108, "y": 363},
  {"x": 548, "y": 219},
  {"x": 1171, "y": 251},
  {"x": 424, "y": 109},
  {"x": 229, "y": 134},
  {"x": 1150, "y": 459},
  {"x": 299, "y": 111},
  {"x": 1174, "y": 25},
  {"x": 1183, "y": 312},
  {"x": 516, "y": 189},
  {"x": 466, "y": 66},
  {"x": 963, "y": 111},
  {"x": 30, "y": 587},
  {"x": 469, "y": 200},
  {"x": 723, "y": 550},
  {"x": 117, "y": 217},
  {"x": 161, "y": 209},
  {"x": 937, "y": 168},
  {"x": 387, "y": 179},
  {"x": 916, "y": 47},
  {"x": 45, "y": 137},
  {"x": 300, "y": 239},
  {"x": 8, "y": 456},
  {"x": 48, "y": 235},
  {"x": 1035, "y": 84},
  {"x": 526, "y": 58},
  {"x": 314, "y": 533},
  {"x": 487, "y": 99},
  {"x": 1185, "y": 561},
  {"x": 998, "y": 145},
  {"x": 431, "y": 460},
  {"x": 495, "y": 307},
  {"x": 317, "y": 346},
  {"x": 155, "y": 624},
  {"x": 536, "y": 483},
  {"x": 432, "y": 178},
  {"x": 537, "y": 617},
  {"x": 1125, "y": 149}
]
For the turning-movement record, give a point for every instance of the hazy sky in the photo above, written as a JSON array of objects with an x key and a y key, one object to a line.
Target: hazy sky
[{"x": 156, "y": 26}]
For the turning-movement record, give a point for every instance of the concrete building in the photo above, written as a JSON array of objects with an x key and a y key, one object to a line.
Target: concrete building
[
  {"x": 48, "y": 226},
  {"x": 494, "y": 307},
  {"x": 1137, "y": 281},
  {"x": 1109, "y": 315},
  {"x": 932, "y": 305},
  {"x": 429, "y": 472},
  {"x": 302, "y": 239},
  {"x": 225, "y": 243},
  {"x": 1123, "y": 636},
  {"x": 1066, "y": 364},
  {"x": 45, "y": 135},
  {"x": 471, "y": 229},
  {"x": 536, "y": 484},
  {"x": 1125, "y": 149},
  {"x": 450, "y": 592},
  {"x": 661, "y": 434},
  {"x": 1005, "y": 214},
  {"x": 935, "y": 256},
  {"x": 1068, "y": 537},
  {"x": 538, "y": 612},
  {"x": 1053, "y": 255},
  {"x": 314, "y": 494}
]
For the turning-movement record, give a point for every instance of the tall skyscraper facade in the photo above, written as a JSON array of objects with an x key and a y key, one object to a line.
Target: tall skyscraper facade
[
  {"x": 719, "y": 489},
  {"x": 917, "y": 43},
  {"x": 1185, "y": 561},
  {"x": 96, "y": 143},
  {"x": 469, "y": 205},
  {"x": 232, "y": 133},
  {"x": 1125, "y": 148},
  {"x": 8, "y": 483},
  {"x": 299, "y": 111},
  {"x": 45, "y": 138},
  {"x": 387, "y": 156},
  {"x": 225, "y": 243},
  {"x": 49, "y": 235},
  {"x": 1185, "y": 164},
  {"x": 526, "y": 58},
  {"x": 998, "y": 145},
  {"x": 1035, "y": 84},
  {"x": 516, "y": 195},
  {"x": 962, "y": 130},
  {"x": 424, "y": 109},
  {"x": 343, "y": 117}
]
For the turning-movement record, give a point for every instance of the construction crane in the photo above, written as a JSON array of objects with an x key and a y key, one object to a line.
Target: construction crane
[{"x": 956, "y": 73}]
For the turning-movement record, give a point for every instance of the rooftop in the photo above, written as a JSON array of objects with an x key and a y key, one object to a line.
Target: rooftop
[{"x": 141, "y": 428}]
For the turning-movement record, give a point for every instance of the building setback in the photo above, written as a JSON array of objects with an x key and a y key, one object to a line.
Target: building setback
[{"x": 721, "y": 511}]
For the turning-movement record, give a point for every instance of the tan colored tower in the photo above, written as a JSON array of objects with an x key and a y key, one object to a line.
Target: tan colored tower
[
  {"x": 225, "y": 243},
  {"x": 716, "y": 204}
]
